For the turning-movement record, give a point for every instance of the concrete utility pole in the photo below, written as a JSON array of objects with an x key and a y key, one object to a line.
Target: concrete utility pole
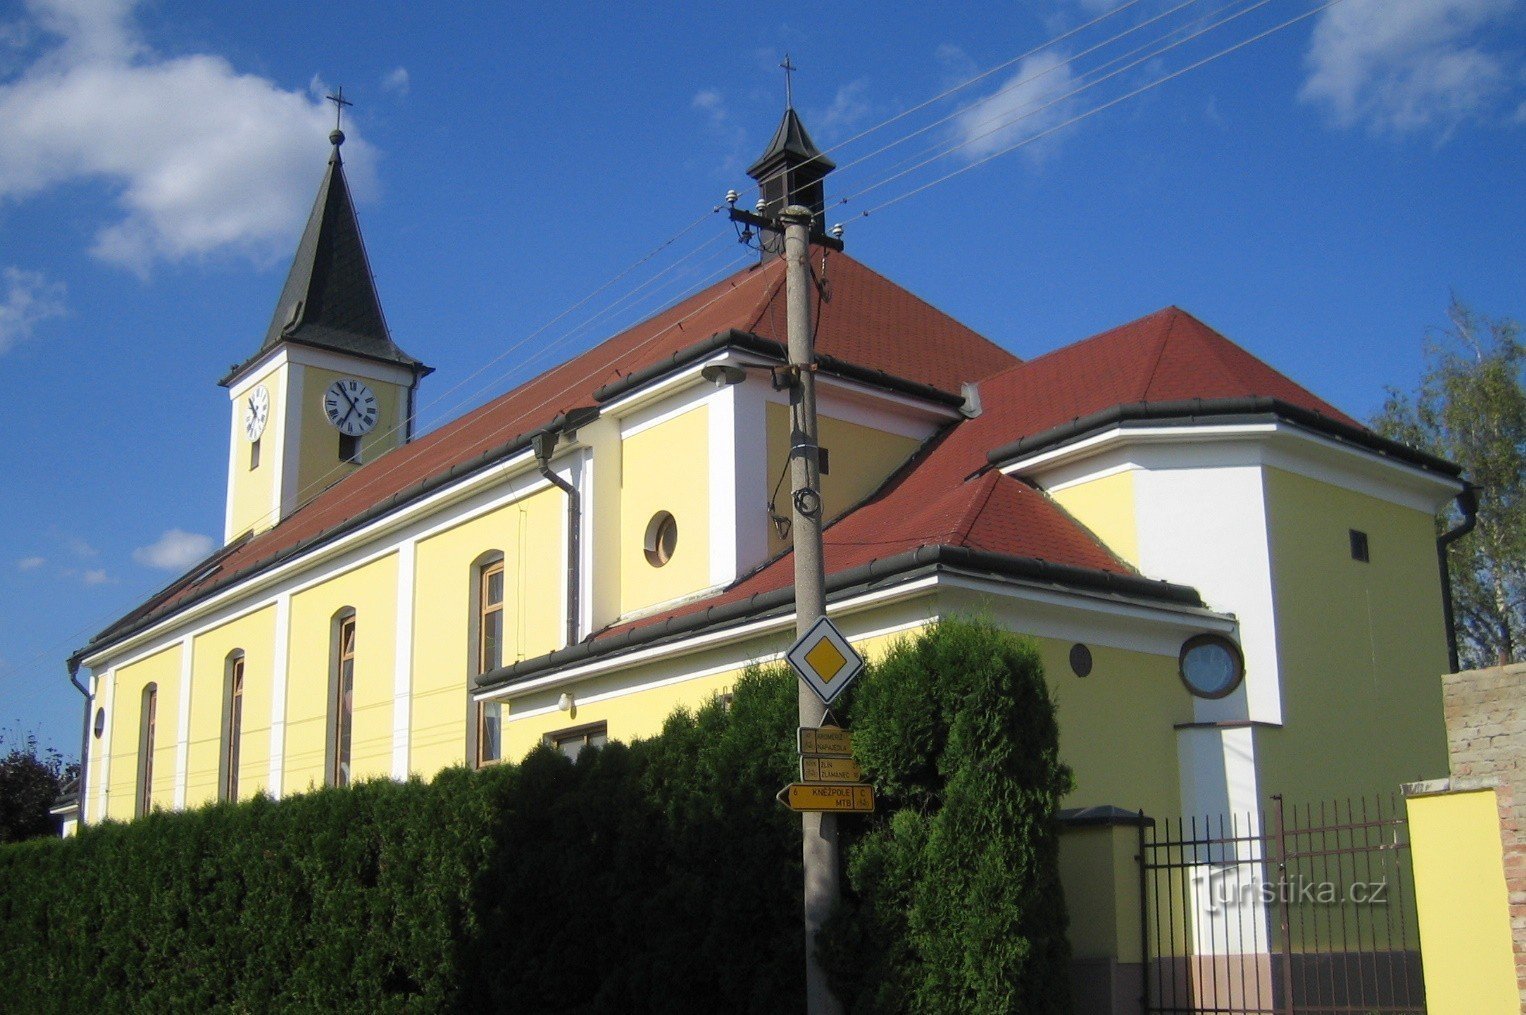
[{"x": 819, "y": 850}]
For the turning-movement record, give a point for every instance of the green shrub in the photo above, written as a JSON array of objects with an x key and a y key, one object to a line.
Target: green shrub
[
  {"x": 655, "y": 876},
  {"x": 955, "y": 902}
]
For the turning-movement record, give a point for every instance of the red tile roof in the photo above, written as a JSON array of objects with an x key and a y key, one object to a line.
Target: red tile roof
[
  {"x": 866, "y": 320},
  {"x": 947, "y": 495}
]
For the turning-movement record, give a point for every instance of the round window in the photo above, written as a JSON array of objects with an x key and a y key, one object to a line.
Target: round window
[
  {"x": 661, "y": 538},
  {"x": 100, "y": 722},
  {"x": 1211, "y": 665},
  {"x": 1080, "y": 660}
]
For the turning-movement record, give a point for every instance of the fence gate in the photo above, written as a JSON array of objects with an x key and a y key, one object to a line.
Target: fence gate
[{"x": 1299, "y": 909}]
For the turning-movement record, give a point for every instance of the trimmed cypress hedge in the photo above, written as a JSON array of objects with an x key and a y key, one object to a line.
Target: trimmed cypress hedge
[{"x": 655, "y": 876}]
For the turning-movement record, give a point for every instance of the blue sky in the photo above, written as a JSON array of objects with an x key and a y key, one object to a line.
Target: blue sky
[{"x": 1317, "y": 196}]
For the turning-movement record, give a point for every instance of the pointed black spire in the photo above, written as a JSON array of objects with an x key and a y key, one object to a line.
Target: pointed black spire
[
  {"x": 790, "y": 172},
  {"x": 330, "y": 299}
]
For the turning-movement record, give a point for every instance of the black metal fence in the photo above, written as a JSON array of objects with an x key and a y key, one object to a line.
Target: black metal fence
[{"x": 1292, "y": 910}]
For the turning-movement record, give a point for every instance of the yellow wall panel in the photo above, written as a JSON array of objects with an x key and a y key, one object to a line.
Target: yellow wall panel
[
  {"x": 371, "y": 591},
  {"x": 650, "y": 483},
  {"x": 320, "y": 466},
  {"x": 1106, "y": 506},
  {"x": 1462, "y": 903},
  {"x": 1362, "y": 645},
  {"x": 530, "y": 535},
  {"x": 860, "y": 460},
  {"x": 253, "y": 492},
  {"x": 161, "y": 668},
  {"x": 254, "y": 635}
]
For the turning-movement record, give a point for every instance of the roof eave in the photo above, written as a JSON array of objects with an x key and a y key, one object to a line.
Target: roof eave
[
  {"x": 748, "y": 341},
  {"x": 1218, "y": 410},
  {"x": 899, "y": 566}
]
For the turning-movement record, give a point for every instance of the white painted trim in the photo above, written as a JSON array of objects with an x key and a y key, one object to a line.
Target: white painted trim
[
  {"x": 734, "y": 663},
  {"x": 658, "y": 413},
  {"x": 875, "y": 410},
  {"x": 234, "y": 431},
  {"x": 289, "y": 452},
  {"x": 1275, "y": 444},
  {"x": 183, "y": 723},
  {"x": 1180, "y": 620},
  {"x": 296, "y": 354},
  {"x": 402, "y": 676},
  {"x": 583, "y": 480},
  {"x": 279, "y": 660}
]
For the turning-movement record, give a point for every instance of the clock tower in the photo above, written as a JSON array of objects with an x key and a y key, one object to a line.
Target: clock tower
[{"x": 328, "y": 390}]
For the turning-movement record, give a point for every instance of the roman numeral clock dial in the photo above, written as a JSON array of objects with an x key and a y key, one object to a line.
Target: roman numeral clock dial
[
  {"x": 350, "y": 406},
  {"x": 256, "y": 412}
]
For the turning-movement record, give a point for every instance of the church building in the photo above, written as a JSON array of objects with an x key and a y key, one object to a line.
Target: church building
[{"x": 1233, "y": 584}]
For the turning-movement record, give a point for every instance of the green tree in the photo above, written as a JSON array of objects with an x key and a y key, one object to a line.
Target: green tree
[
  {"x": 1471, "y": 409},
  {"x": 30, "y": 780}
]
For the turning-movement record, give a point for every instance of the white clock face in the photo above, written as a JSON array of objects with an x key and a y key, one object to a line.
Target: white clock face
[
  {"x": 256, "y": 412},
  {"x": 350, "y": 406}
]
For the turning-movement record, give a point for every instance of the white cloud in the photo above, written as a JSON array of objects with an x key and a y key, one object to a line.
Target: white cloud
[
  {"x": 96, "y": 576},
  {"x": 1029, "y": 102},
  {"x": 396, "y": 82},
  {"x": 27, "y": 298},
  {"x": 1400, "y": 66},
  {"x": 709, "y": 100},
  {"x": 202, "y": 159},
  {"x": 176, "y": 550},
  {"x": 30, "y": 563},
  {"x": 79, "y": 547},
  {"x": 848, "y": 109}
]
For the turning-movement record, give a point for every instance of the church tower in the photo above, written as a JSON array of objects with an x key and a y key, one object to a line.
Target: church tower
[
  {"x": 790, "y": 172},
  {"x": 328, "y": 389}
]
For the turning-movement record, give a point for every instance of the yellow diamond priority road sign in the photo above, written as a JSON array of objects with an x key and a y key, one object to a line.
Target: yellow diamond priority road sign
[{"x": 825, "y": 660}]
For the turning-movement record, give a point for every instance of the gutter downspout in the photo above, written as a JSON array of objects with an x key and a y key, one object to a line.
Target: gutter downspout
[
  {"x": 84, "y": 741},
  {"x": 1467, "y": 502},
  {"x": 544, "y": 443}
]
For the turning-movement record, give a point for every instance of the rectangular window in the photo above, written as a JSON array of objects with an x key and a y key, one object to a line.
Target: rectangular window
[
  {"x": 489, "y": 732},
  {"x": 349, "y": 449},
  {"x": 233, "y": 727},
  {"x": 254, "y": 455},
  {"x": 490, "y": 637},
  {"x": 1359, "y": 549},
  {"x": 572, "y": 741},
  {"x": 344, "y": 702},
  {"x": 148, "y": 721}
]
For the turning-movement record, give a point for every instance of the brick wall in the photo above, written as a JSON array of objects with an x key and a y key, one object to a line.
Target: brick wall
[{"x": 1486, "y": 742}]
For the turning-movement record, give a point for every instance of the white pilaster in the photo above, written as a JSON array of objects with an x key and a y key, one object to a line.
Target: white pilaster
[
  {"x": 106, "y": 694},
  {"x": 183, "y": 723}
]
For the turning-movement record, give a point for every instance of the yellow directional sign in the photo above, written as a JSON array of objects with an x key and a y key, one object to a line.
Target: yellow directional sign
[
  {"x": 817, "y": 769},
  {"x": 838, "y": 797},
  {"x": 828, "y": 740},
  {"x": 824, "y": 660}
]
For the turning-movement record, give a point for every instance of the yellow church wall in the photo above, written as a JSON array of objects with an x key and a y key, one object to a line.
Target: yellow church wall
[
  {"x": 651, "y": 482},
  {"x": 254, "y": 635},
  {"x": 163, "y": 669},
  {"x": 529, "y": 535},
  {"x": 371, "y": 591},
  {"x": 1106, "y": 506},
  {"x": 860, "y": 459},
  {"x": 1126, "y": 708},
  {"x": 1362, "y": 645},
  {"x": 253, "y": 490},
  {"x": 320, "y": 466}
]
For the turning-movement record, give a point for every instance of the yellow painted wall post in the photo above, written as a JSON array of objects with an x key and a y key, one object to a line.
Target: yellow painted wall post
[{"x": 1461, "y": 899}]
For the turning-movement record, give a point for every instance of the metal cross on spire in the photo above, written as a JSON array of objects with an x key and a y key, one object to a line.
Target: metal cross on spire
[
  {"x": 339, "y": 102},
  {"x": 789, "y": 88}
]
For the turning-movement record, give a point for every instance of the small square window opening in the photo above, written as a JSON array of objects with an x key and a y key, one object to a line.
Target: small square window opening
[{"x": 1359, "y": 546}]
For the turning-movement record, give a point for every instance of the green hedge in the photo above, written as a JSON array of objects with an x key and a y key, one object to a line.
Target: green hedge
[{"x": 655, "y": 876}]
